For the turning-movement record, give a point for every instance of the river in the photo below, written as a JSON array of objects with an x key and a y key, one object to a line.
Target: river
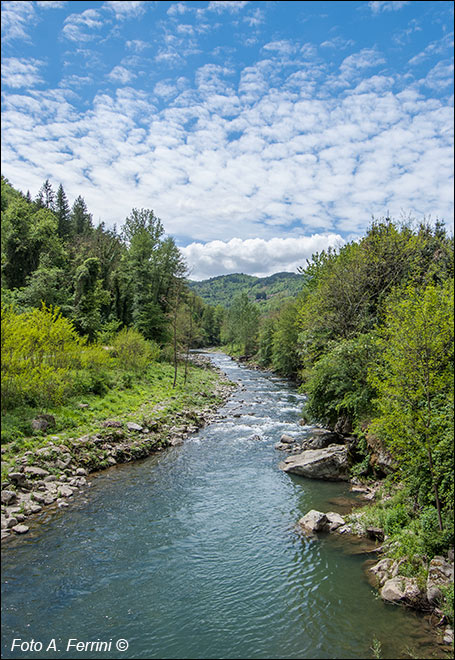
[{"x": 193, "y": 553}]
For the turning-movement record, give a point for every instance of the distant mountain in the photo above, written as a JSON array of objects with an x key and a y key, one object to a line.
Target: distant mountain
[{"x": 268, "y": 292}]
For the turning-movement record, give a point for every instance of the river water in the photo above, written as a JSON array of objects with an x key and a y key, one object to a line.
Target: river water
[{"x": 193, "y": 553}]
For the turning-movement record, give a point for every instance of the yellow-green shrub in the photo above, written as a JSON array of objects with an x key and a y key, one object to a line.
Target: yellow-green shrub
[
  {"x": 133, "y": 351},
  {"x": 39, "y": 350}
]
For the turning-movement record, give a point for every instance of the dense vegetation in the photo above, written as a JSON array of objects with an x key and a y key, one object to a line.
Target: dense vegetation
[
  {"x": 370, "y": 339},
  {"x": 268, "y": 292},
  {"x": 366, "y": 329}
]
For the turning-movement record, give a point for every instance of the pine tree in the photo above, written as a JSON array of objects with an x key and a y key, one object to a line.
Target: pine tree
[
  {"x": 81, "y": 219},
  {"x": 46, "y": 196},
  {"x": 62, "y": 210}
]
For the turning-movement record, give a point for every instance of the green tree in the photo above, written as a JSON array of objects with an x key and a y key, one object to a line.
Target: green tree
[
  {"x": 285, "y": 358},
  {"x": 414, "y": 380},
  {"x": 46, "y": 196},
  {"x": 62, "y": 211},
  {"x": 153, "y": 264},
  {"x": 88, "y": 298},
  {"x": 80, "y": 218},
  {"x": 242, "y": 323}
]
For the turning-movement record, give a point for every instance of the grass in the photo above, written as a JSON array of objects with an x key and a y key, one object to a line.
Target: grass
[{"x": 146, "y": 398}]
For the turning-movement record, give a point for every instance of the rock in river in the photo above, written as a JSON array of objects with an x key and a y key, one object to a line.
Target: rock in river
[{"x": 330, "y": 463}]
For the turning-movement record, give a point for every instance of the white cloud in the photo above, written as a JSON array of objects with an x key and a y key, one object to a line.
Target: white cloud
[
  {"x": 232, "y": 6},
  {"x": 20, "y": 72},
  {"x": 377, "y": 6},
  {"x": 121, "y": 74},
  {"x": 269, "y": 153},
  {"x": 337, "y": 42},
  {"x": 78, "y": 27},
  {"x": 17, "y": 18},
  {"x": 254, "y": 256},
  {"x": 284, "y": 47},
  {"x": 51, "y": 4},
  {"x": 124, "y": 9}
]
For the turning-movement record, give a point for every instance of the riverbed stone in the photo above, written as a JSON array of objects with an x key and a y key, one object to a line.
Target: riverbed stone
[
  {"x": 65, "y": 491},
  {"x": 330, "y": 463},
  {"x": 34, "y": 471},
  {"x": 17, "y": 478},
  {"x": 8, "y": 496},
  {"x": 287, "y": 439},
  {"x": 20, "y": 529},
  {"x": 43, "y": 422},
  {"x": 334, "y": 521},
  {"x": 132, "y": 426},
  {"x": 440, "y": 574},
  {"x": 402, "y": 590},
  {"x": 313, "y": 521}
]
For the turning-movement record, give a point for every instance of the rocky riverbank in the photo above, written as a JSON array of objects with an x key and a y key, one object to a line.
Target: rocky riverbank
[
  {"x": 55, "y": 472},
  {"x": 327, "y": 455}
]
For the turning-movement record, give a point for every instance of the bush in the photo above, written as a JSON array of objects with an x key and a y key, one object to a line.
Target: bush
[
  {"x": 39, "y": 349},
  {"x": 133, "y": 351},
  {"x": 434, "y": 540}
]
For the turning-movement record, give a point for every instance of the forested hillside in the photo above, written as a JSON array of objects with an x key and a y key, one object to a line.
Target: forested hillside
[{"x": 269, "y": 292}]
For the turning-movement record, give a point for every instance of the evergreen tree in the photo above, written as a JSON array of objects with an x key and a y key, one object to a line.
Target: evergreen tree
[
  {"x": 80, "y": 218},
  {"x": 62, "y": 211},
  {"x": 46, "y": 196}
]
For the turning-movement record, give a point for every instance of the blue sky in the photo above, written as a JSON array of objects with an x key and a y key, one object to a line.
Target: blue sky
[{"x": 259, "y": 132}]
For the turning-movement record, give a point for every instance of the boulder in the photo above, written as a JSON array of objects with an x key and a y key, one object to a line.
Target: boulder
[
  {"x": 380, "y": 459},
  {"x": 34, "y": 471},
  {"x": 334, "y": 520},
  {"x": 113, "y": 423},
  {"x": 20, "y": 529},
  {"x": 8, "y": 496},
  {"x": 43, "y": 422},
  {"x": 65, "y": 491},
  {"x": 287, "y": 439},
  {"x": 343, "y": 425},
  {"x": 313, "y": 521},
  {"x": 17, "y": 478},
  {"x": 131, "y": 426},
  {"x": 402, "y": 590},
  {"x": 330, "y": 463},
  {"x": 320, "y": 438},
  {"x": 440, "y": 574},
  {"x": 382, "y": 570}
]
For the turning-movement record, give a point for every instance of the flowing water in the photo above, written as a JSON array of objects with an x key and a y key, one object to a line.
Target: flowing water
[{"x": 193, "y": 553}]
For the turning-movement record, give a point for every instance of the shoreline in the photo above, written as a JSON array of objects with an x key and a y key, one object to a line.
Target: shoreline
[{"x": 32, "y": 485}]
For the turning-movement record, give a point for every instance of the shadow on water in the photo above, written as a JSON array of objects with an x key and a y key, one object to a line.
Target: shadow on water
[{"x": 193, "y": 553}]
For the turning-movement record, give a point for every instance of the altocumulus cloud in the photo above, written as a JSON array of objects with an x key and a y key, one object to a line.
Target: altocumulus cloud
[{"x": 254, "y": 256}]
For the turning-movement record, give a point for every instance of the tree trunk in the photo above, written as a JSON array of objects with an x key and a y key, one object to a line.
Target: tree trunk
[{"x": 435, "y": 488}]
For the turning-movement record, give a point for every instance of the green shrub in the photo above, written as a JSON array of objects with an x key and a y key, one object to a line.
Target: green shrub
[
  {"x": 39, "y": 349},
  {"x": 133, "y": 351},
  {"x": 434, "y": 540},
  {"x": 395, "y": 519}
]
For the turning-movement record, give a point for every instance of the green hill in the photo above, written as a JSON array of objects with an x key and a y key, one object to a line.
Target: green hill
[{"x": 268, "y": 292}]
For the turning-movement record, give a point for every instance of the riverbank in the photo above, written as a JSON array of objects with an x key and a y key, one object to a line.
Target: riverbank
[
  {"x": 80, "y": 438},
  {"x": 416, "y": 565}
]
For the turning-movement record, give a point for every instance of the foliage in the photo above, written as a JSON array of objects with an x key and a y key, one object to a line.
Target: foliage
[
  {"x": 133, "y": 351},
  {"x": 337, "y": 385},
  {"x": 285, "y": 359},
  {"x": 268, "y": 292},
  {"x": 414, "y": 381},
  {"x": 39, "y": 349},
  {"x": 242, "y": 321}
]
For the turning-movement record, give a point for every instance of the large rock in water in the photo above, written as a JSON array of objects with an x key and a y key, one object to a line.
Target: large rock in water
[{"x": 330, "y": 463}]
